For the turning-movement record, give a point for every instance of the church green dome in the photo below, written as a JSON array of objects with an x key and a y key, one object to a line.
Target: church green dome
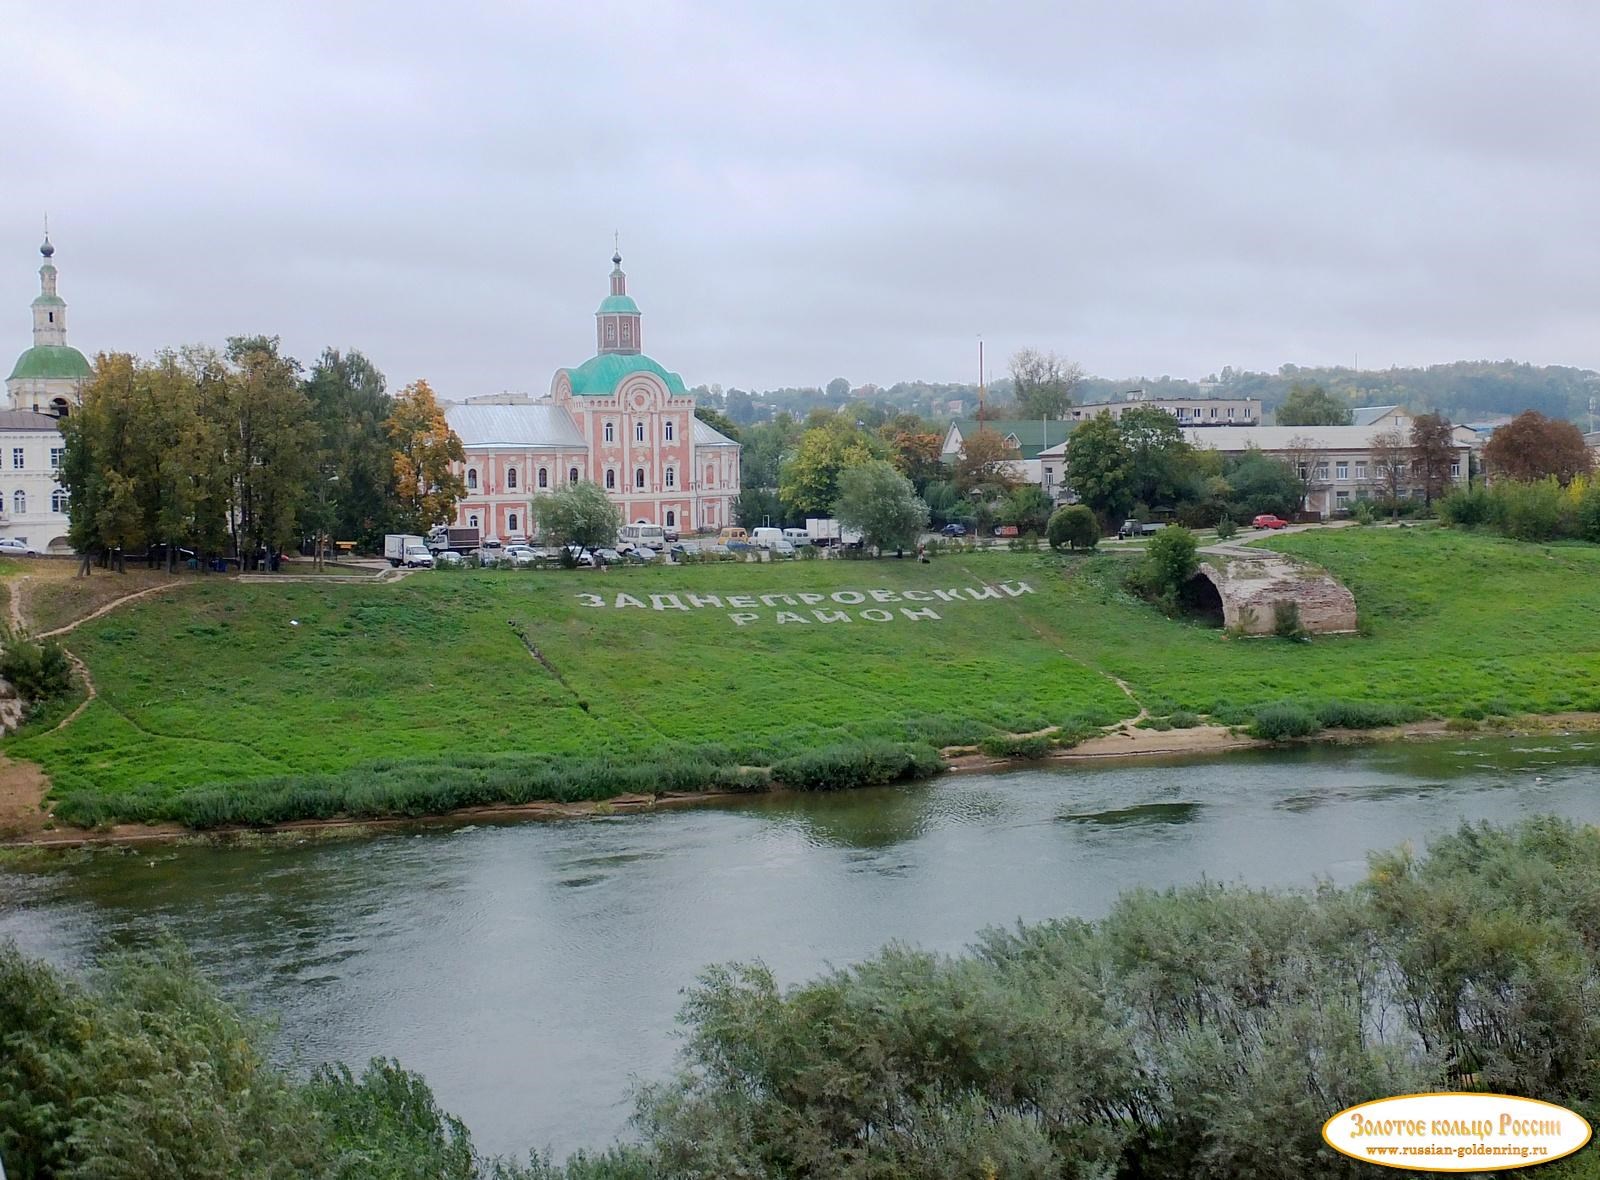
[
  {"x": 600, "y": 375},
  {"x": 618, "y": 305},
  {"x": 52, "y": 362}
]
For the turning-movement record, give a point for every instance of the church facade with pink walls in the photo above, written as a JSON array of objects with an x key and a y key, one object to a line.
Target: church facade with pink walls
[{"x": 619, "y": 419}]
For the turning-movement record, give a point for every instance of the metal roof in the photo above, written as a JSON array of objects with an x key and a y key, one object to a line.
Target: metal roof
[
  {"x": 1367, "y": 415},
  {"x": 529, "y": 426},
  {"x": 706, "y": 435},
  {"x": 28, "y": 420}
]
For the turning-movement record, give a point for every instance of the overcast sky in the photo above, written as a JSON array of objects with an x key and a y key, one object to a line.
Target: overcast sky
[{"x": 811, "y": 190}]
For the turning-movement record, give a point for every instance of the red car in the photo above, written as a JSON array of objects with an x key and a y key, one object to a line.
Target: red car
[{"x": 1267, "y": 521}]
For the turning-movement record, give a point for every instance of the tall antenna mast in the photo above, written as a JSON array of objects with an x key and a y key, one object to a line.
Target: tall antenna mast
[{"x": 980, "y": 384}]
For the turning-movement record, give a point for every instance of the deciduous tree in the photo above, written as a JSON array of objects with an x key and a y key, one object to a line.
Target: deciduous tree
[
  {"x": 986, "y": 466},
  {"x": 578, "y": 514},
  {"x": 426, "y": 489},
  {"x": 353, "y": 471},
  {"x": 1391, "y": 458},
  {"x": 1043, "y": 383},
  {"x": 717, "y": 421},
  {"x": 1432, "y": 451},
  {"x": 808, "y": 482},
  {"x": 1073, "y": 527},
  {"x": 1100, "y": 467},
  {"x": 1312, "y": 405},
  {"x": 879, "y": 501},
  {"x": 1532, "y": 446}
]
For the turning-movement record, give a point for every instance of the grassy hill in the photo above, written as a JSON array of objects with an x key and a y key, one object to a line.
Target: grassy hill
[{"x": 226, "y": 701}]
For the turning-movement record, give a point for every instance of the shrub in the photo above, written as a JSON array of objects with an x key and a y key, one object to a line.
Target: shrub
[
  {"x": 865, "y": 764},
  {"x": 1007, "y": 746},
  {"x": 1170, "y": 559},
  {"x": 1286, "y": 620},
  {"x": 1277, "y": 723},
  {"x": 1226, "y": 528},
  {"x": 1364, "y": 714},
  {"x": 1364, "y": 513},
  {"x": 38, "y": 671},
  {"x": 1073, "y": 527},
  {"x": 1183, "y": 719},
  {"x": 1467, "y": 508}
]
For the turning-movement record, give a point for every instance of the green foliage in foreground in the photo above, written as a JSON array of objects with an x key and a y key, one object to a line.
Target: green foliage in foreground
[
  {"x": 215, "y": 707},
  {"x": 1537, "y": 510},
  {"x": 1200, "y": 1033},
  {"x": 38, "y": 671}
]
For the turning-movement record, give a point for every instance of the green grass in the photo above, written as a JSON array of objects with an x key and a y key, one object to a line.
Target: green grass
[{"x": 352, "y": 689}]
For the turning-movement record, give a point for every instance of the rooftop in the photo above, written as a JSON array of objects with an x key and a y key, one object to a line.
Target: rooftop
[
  {"x": 524, "y": 425},
  {"x": 600, "y": 375},
  {"x": 52, "y": 362},
  {"x": 1032, "y": 434}
]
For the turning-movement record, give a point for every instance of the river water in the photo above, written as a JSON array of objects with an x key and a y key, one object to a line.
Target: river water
[{"x": 532, "y": 971}]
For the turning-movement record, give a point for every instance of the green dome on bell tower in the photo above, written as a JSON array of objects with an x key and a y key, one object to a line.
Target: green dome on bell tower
[{"x": 51, "y": 373}]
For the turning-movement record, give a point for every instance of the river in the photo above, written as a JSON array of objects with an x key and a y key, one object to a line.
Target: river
[{"x": 532, "y": 971}]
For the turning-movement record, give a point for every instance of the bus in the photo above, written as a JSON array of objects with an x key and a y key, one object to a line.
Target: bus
[{"x": 652, "y": 536}]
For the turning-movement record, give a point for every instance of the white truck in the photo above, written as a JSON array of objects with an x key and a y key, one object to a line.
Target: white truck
[
  {"x": 406, "y": 549},
  {"x": 825, "y": 531}
]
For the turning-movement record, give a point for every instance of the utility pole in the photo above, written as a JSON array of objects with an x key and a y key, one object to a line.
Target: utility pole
[{"x": 980, "y": 384}]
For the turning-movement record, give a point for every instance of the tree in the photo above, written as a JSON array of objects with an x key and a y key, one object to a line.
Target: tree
[
  {"x": 1043, "y": 384},
  {"x": 915, "y": 453},
  {"x": 1169, "y": 562},
  {"x": 1099, "y": 467},
  {"x": 1532, "y": 446},
  {"x": 426, "y": 487},
  {"x": 765, "y": 447},
  {"x": 1433, "y": 449},
  {"x": 267, "y": 444},
  {"x": 578, "y": 514},
  {"x": 1391, "y": 455},
  {"x": 1160, "y": 459},
  {"x": 808, "y": 482},
  {"x": 1312, "y": 405},
  {"x": 353, "y": 467},
  {"x": 838, "y": 389},
  {"x": 1309, "y": 464},
  {"x": 882, "y": 504},
  {"x": 1073, "y": 527},
  {"x": 986, "y": 466},
  {"x": 1028, "y": 508},
  {"x": 754, "y": 507},
  {"x": 1258, "y": 482},
  {"x": 717, "y": 421}
]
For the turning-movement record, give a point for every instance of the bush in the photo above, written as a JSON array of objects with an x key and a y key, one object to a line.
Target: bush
[
  {"x": 1169, "y": 562},
  {"x": 38, "y": 671},
  {"x": 1226, "y": 528},
  {"x": 865, "y": 764},
  {"x": 1364, "y": 714},
  {"x": 1007, "y": 746},
  {"x": 1467, "y": 508},
  {"x": 1277, "y": 723},
  {"x": 1364, "y": 513},
  {"x": 1183, "y": 719},
  {"x": 1073, "y": 527},
  {"x": 1286, "y": 620}
]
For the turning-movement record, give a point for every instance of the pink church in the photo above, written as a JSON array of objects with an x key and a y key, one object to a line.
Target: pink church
[{"x": 619, "y": 419}]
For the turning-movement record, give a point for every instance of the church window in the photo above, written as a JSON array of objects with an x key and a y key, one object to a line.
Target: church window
[
  {"x": 472, "y": 479},
  {"x": 511, "y": 477},
  {"x": 672, "y": 519},
  {"x": 511, "y": 523},
  {"x": 611, "y": 480},
  {"x": 572, "y": 475},
  {"x": 472, "y": 521},
  {"x": 611, "y": 432},
  {"x": 544, "y": 478},
  {"x": 19, "y": 502},
  {"x": 611, "y": 331},
  {"x": 638, "y": 432},
  {"x": 58, "y": 500},
  {"x": 52, "y": 317},
  {"x": 666, "y": 431},
  {"x": 638, "y": 481},
  {"x": 672, "y": 477},
  {"x": 711, "y": 477}
]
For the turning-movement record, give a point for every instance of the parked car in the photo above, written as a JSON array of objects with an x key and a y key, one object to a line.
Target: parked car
[
  {"x": 609, "y": 556},
  {"x": 446, "y": 557},
  {"x": 516, "y": 554},
  {"x": 735, "y": 545},
  {"x": 677, "y": 552},
  {"x": 797, "y": 537},
  {"x": 1134, "y": 528},
  {"x": 642, "y": 554},
  {"x": 11, "y": 547},
  {"x": 732, "y": 534},
  {"x": 1005, "y": 530},
  {"x": 581, "y": 555},
  {"x": 954, "y": 530},
  {"x": 780, "y": 548},
  {"x": 670, "y": 535},
  {"x": 1268, "y": 521}
]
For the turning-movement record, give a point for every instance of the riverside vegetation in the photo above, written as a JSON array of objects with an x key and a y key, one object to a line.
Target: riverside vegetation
[
  {"x": 226, "y": 702},
  {"x": 1203, "y": 1032}
]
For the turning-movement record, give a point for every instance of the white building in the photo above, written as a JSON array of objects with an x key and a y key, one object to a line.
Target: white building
[
  {"x": 1191, "y": 411},
  {"x": 45, "y": 385}
]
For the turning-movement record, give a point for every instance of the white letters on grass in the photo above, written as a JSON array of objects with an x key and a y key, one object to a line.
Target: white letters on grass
[{"x": 748, "y": 616}]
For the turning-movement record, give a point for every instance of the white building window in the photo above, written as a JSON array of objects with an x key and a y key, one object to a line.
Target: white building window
[
  {"x": 58, "y": 500},
  {"x": 638, "y": 432},
  {"x": 1361, "y": 470},
  {"x": 16, "y": 458},
  {"x": 1455, "y": 469},
  {"x": 1342, "y": 470},
  {"x": 55, "y": 458},
  {"x": 19, "y": 502},
  {"x": 672, "y": 477},
  {"x": 1322, "y": 471},
  {"x": 666, "y": 431},
  {"x": 611, "y": 432},
  {"x": 1230, "y": 411}
]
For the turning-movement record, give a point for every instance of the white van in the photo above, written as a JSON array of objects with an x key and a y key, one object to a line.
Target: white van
[
  {"x": 797, "y": 537},
  {"x": 651, "y": 536},
  {"x": 764, "y": 538}
]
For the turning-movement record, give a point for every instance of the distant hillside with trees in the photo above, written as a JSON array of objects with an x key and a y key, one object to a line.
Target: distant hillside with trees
[{"x": 1462, "y": 391}]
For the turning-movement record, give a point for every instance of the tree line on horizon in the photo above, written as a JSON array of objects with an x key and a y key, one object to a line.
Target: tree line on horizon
[{"x": 242, "y": 453}]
